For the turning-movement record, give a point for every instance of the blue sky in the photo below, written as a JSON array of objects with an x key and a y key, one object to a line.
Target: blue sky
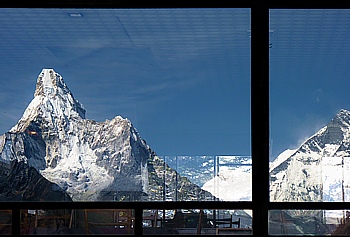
[
  {"x": 182, "y": 76},
  {"x": 309, "y": 72}
]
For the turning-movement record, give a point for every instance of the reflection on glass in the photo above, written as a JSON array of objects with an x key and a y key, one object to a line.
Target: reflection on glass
[
  {"x": 5, "y": 222},
  {"x": 309, "y": 222},
  {"x": 196, "y": 221},
  {"x": 122, "y": 222},
  {"x": 310, "y": 109},
  {"x": 221, "y": 178},
  {"x": 83, "y": 221},
  {"x": 102, "y": 84}
]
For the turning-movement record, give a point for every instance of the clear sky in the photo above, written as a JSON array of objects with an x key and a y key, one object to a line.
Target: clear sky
[
  {"x": 309, "y": 72},
  {"x": 182, "y": 76}
]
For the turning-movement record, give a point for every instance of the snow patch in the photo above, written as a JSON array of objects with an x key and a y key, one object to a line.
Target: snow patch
[
  {"x": 231, "y": 184},
  {"x": 281, "y": 158}
]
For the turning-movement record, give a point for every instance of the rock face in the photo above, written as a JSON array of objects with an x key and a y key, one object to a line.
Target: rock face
[
  {"x": 318, "y": 169},
  {"x": 88, "y": 160}
]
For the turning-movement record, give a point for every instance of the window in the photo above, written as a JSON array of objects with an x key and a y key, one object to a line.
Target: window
[
  {"x": 308, "y": 57},
  {"x": 266, "y": 213},
  {"x": 174, "y": 68}
]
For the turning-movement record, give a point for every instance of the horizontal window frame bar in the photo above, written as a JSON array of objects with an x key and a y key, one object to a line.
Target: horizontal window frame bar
[
  {"x": 309, "y": 205},
  {"x": 172, "y": 205},
  {"x": 127, "y": 205}
]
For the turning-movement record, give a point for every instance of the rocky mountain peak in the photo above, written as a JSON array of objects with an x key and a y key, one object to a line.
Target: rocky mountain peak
[
  {"x": 49, "y": 83},
  {"x": 342, "y": 118},
  {"x": 53, "y": 101},
  {"x": 303, "y": 175},
  {"x": 88, "y": 160}
]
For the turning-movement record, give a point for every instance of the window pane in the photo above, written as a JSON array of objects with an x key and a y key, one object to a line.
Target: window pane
[
  {"x": 309, "y": 222},
  {"x": 115, "y": 90},
  {"x": 5, "y": 222},
  {"x": 309, "y": 71},
  {"x": 227, "y": 178},
  {"x": 192, "y": 222},
  {"x": 78, "y": 222},
  {"x": 122, "y": 222}
]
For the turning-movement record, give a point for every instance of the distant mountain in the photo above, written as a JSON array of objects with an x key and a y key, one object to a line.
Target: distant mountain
[
  {"x": 85, "y": 159},
  {"x": 319, "y": 169}
]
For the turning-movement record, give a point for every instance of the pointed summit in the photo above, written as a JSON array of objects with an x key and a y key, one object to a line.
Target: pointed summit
[
  {"x": 50, "y": 83},
  {"x": 52, "y": 100},
  {"x": 343, "y": 118}
]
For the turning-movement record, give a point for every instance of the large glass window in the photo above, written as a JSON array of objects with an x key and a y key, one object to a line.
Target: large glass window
[
  {"x": 191, "y": 82},
  {"x": 126, "y": 105},
  {"x": 309, "y": 148},
  {"x": 115, "y": 88}
]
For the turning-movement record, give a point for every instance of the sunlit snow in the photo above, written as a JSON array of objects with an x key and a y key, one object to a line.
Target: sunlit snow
[
  {"x": 233, "y": 181},
  {"x": 281, "y": 158}
]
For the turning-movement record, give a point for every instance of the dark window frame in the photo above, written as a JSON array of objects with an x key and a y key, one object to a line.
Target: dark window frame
[{"x": 260, "y": 203}]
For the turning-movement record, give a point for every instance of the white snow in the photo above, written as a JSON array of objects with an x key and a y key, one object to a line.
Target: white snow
[
  {"x": 330, "y": 149},
  {"x": 231, "y": 184},
  {"x": 29, "y": 114},
  {"x": 281, "y": 158},
  {"x": 88, "y": 178},
  {"x": 47, "y": 82}
]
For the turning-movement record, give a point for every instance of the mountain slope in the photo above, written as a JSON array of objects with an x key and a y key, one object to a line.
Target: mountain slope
[
  {"x": 304, "y": 176},
  {"x": 18, "y": 180}
]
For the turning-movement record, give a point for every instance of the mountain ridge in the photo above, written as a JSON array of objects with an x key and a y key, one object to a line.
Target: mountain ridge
[{"x": 301, "y": 176}]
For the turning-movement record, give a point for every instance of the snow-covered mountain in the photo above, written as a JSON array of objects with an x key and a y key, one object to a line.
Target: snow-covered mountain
[
  {"x": 89, "y": 160},
  {"x": 319, "y": 169}
]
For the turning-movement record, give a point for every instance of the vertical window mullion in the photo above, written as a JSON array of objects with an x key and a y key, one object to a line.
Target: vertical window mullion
[{"x": 260, "y": 117}]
